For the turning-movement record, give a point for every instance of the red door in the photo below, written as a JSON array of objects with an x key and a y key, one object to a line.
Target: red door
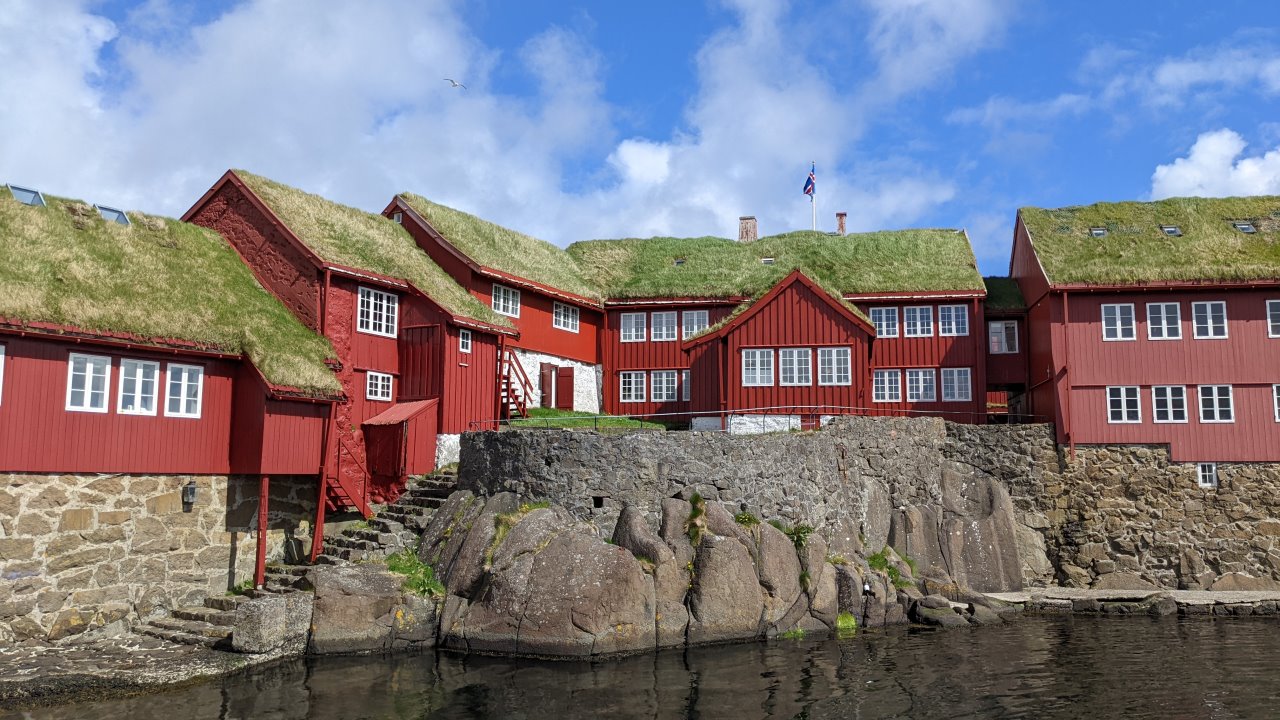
[
  {"x": 564, "y": 388},
  {"x": 547, "y": 383}
]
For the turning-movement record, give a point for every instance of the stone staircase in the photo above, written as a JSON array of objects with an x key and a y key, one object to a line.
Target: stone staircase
[
  {"x": 209, "y": 624},
  {"x": 394, "y": 527}
]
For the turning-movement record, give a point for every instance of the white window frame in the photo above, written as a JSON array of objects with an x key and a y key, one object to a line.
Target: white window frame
[
  {"x": 565, "y": 317},
  {"x": 1275, "y": 391},
  {"x": 1209, "y": 470},
  {"x": 758, "y": 361},
  {"x": 1273, "y": 318},
  {"x": 1163, "y": 325},
  {"x": 638, "y": 329},
  {"x": 1127, "y": 403},
  {"x": 1195, "y": 323},
  {"x": 379, "y": 386},
  {"x": 693, "y": 322},
  {"x": 954, "y": 316},
  {"x": 138, "y": 366},
  {"x": 186, "y": 371},
  {"x": 367, "y": 308},
  {"x": 505, "y": 300},
  {"x": 1119, "y": 327},
  {"x": 1217, "y": 409},
  {"x": 799, "y": 361},
  {"x": 911, "y": 316},
  {"x": 684, "y": 386},
  {"x": 94, "y": 366},
  {"x": 1168, "y": 399},
  {"x": 2, "y": 347},
  {"x": 637, "y": 386},
  {"x": 885, "y": 329},
  {"x": 881, "y": 389},
  {"x": 835, "y": 366},
  {"x": 464, "y": 341},
  {"x": 997, "y": 338},
  {"x": 916, "y": 385},
  {"x": 664, "y": 380},
  {"x": 664, "y": 326},
  {"x": 956, "y": 374}
]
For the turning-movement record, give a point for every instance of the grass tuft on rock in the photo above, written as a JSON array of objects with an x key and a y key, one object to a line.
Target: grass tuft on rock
[
  {"x": 846, "y": 625},
  {"x": 746, "y": 519},
  {"x": 796, "y": 634},
  {"x": 419, "y": 577},
  {"x": 696, "y": 526}
]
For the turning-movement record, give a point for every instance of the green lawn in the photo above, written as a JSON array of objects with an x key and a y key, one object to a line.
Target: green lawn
[{"x": 573, "y": 420}]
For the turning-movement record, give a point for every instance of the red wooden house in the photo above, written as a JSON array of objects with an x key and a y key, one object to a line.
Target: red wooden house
[{"x": 1006, "y": 382}]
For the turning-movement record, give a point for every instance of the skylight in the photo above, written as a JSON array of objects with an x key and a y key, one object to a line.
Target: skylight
[
  {"x": 766, "y": 261},
  {"x": 1171, "y": 230},
  {"x": 1098, "y": 231},
  {"x": 27, "y": 196},
  {"x": 1244, "y": 227},
  {"x": 111, "y": 214},
  {"x": 678, "y": 262}
]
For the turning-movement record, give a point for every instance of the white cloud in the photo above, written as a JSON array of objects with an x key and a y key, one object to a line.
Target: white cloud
[
  {"x": 998, "y": 111},
  {"x": 1215, "y": 168}
]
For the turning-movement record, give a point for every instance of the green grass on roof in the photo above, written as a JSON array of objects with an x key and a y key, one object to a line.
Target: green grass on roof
[
  {"x": 1135, "y": 250},
  {"x": 889, "y": 261},
  {"x": 1003, "y": 294},
  {"x": 365, "y": 241},
  {"x": 503, "y": 249},
  {"x": 158, "y": 279}
]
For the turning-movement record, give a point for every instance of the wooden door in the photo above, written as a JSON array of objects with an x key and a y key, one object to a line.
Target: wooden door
[{"x": 564, "y": 388}]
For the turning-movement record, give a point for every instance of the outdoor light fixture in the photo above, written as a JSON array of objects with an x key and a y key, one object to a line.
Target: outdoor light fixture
[{"x": 188, "y": 496}]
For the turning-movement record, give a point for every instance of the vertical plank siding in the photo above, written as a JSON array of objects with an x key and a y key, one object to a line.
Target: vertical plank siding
[{"x": 470, "y": 381}]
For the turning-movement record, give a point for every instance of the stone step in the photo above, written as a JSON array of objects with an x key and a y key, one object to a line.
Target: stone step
[
  {"x": 326, "y": 559},
  {"x": 351, "y": 543},
  {"x": 192, "y": 627},
  {"x": 225, "y": 602},
  {"x": 282, "y": 569},
  {"x": 422, "y": 502},
  {"x": 175, "y": 636},
  {"x": 212, "y": 616},
  {"x": 386, "y": 525}
]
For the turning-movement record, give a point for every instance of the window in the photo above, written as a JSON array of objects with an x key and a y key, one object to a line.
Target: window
[
  {"x": 1171, "y": 230},
  {"x": 1245, "y": 227},
  {"x": 506, "y": 301},
  {"x": 766, "y": 261},
  {"x": 397, "y": 217},
  {"x": 921, "y": 386},
  {"x": 27, "y": 196},
  {"x": 795, "y": 366},
  {"x": 1117, "y": 322},
  {"x": 956, "y": 385},
  {"x": 678, "y": 262},
  {"x": 464, "y": 341},
  {"x": 1275, "y": 389},
  {"x": 377, "y": 386},
  {"x": 886, "y": 386},
  {"x": 833, "y": 366},
  {"x": 1164, "y": 321},
  {"x": 564, "y": 317},
  {"x": 1003, "y": 337},
  {"x": 111, "y": 214},
  {"x": 185, "y": 390},
  {"x": 1098, "y": 231},
  {"x": 631, "y": 387},
  {"x": 378, "y": 312},
  {"x": 1122, "y": 405},
  {"x": 664, "y": 327},
  {"x": 1207, "y": 475},
  {"x": 918, "y": 321},
  {"x": 1, "y": 373},
  {"x": 633, "y": 328},
  {"x": 138, "y": 387},
  {"x": 1169, "y": 403},
  {"x": 953, "y": 320},
  {"x": 1273, "y": 318},
  {"x": 757, "y": 368},
  {"x": 684, "y": 385},
  {"x": 1210, "y": 319},
  {"x": 1216, "y": 404},
  {"x": 87, "y": 379},
  {"x": 664, "y": 385},
  {"x": 886, "y": 321},
  {"x": 695, "y": 321}
]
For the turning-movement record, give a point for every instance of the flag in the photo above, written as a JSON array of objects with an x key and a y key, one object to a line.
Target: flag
[{"x": 808, "y": 184}]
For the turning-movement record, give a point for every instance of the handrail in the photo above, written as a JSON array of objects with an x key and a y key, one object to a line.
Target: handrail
[
  {"x": 361, "y": 503},
  {"x": 525, "y": 385}
]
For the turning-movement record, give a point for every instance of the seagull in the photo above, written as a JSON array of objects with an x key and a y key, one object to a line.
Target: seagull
[{"x": 455, "y": 83}]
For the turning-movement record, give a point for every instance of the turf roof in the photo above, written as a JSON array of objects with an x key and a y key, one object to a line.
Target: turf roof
[
  {"x": 1003, "y": 294},
  {"x": 503, "y": 249},
  {"x": 346, "y": 236},
  {"x": 157, "y": 279},
  {"x": 1136, "y": 250}
]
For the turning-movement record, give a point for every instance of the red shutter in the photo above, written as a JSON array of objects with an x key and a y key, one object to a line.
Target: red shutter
[
  {"x": 564, "y": 388},
  {"x": 547, "y": 379}
]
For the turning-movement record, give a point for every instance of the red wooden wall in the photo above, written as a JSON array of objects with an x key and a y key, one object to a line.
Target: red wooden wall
[
  {"x": 277, "y": 437},
  {"x": 1008, "y": 368},
  {"x": 470, "y": 382}
]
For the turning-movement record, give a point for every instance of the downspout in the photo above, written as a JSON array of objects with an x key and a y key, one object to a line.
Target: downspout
[
  {"x": 1066, "y": 376},
  {"x": 724, "y": 382},
  {"x": 980, "y": 390}
]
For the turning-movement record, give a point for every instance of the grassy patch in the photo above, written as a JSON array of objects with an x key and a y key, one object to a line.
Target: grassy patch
[
  {"x": 1003, "y": 294},
  {"x": 797, "y": 634},
  {"x": 746, "y": 519},
  {"x": 836, "y": 559},
  {"x": 846, "y": 624},
  {"x": 806, "y": 581},
  {"x": 242, "y": 587},
  {"x": 419, "y": 577},
  {"x": 799, "y": 534},
  {"x": 502, "y": 524},
  {"x": 880, "y": 561},
  {"x": 574, "y": 420},
  {"x": 696, "y": 525}
]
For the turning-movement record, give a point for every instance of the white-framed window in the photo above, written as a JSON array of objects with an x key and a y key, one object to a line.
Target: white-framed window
[
  {"x": 138, "y": 380},
  {"x": 564, "y": 317},
  {"x": 757, "y": 368},
  {"x": 184, "y": 390},
  {"x": 464, "y": 341},
  {"x": 834, "y": 366},
  {"x": 664, "y": 327},
  {"x": 695, "y": 321},
  {"x": 684, "y": 385},
  {"x": 1273, "y": 318},
  {"x": 795, "y": 366},
  {"x": 1169, "y": 403},
  {"x": 953, "y": 320},
  {"x": 1, "y": 373},
  {"x": 1164, "y": 321},
  {"x": 1117, "y": 322},
  {"x": 397, "y": 217},
  {"x": 1207, "y": 475},
  {"x": 377, "y": 386},
  {"x": 88, "y": 377},
  {"x": 957, "y": 384},
  {"x": 377, "y": 312},
  {"x": 633, "y": 327},
  {"x": 1275, "y": 389},
  {"x": 886, "y": 321},
  {"x": 631, "y": 386},
  {"x": 886, "y": 386},
  {"x": 1123, "y": 405},
  {"x": 922, "y": 385},
  {"x": 1002, "y": 336},
  {"x": 506, "y": 301},
  {"x": 917, "y": 321},
  {"x": 663, "y": 385},
  {"x": 1216, "y": 404},
  {"x": 1210, "y": 319}
]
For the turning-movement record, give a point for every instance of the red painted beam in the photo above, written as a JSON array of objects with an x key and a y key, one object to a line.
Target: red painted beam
[{"x": 260, "y": 568}]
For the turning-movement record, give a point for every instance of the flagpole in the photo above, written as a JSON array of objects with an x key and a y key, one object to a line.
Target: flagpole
[{"x": 813, "y": 202}]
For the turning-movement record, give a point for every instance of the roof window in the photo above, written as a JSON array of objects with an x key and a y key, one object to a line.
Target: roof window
[
  {"x": 766, "y": 261},
  {"x": 398, "y": 217},
  {"x": 678, "y": 262},
  {"x": 111, "y": 214},
  {"x": 26, "y": 196},
  {"x": 1244, "y": 227},
  {"x": 1171, "y": 230},
  {"x": 1098, "y": 231}
]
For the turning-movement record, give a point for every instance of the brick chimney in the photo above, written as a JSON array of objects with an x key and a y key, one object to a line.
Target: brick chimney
[
  {"x": 840, "y": 217},
  {"x": 747, "y": 229}
]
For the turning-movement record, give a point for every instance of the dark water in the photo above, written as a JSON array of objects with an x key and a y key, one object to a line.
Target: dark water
[{"x": 1035, "y": 668}]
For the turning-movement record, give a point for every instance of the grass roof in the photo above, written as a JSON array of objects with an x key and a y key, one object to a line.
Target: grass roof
[
  {"x": 346, "y": 236},
  {"x": 1003, "y": 294},
  {"x": 889, "y": 261},
  {"x": 157, "y": 279},
  {"x": 503, "y": 249},
  {"x": 1136, "y": 250}
]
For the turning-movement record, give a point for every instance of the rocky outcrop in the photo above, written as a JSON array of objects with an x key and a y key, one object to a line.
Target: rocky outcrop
[{"x": 362, "y": 608}]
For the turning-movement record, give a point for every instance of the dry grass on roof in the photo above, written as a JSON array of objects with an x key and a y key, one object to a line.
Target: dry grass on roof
[
  {"x": 1136, "y": 250},
  {"x": 158, "y": 279},
  {"x": 346, "y": 236}
]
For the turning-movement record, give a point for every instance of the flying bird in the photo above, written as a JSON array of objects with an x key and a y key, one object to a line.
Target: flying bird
[{"x": 455, "y": 83}]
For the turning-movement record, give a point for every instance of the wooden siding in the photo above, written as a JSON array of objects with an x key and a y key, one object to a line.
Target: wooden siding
[
  {"x": 537, "y": 333},
  {"x": 470, "y": 382},
  {"x": 1007, "y": 369},
  {"x": 1025, "y": 268}
]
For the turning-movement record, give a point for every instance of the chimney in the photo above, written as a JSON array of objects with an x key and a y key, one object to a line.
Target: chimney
[
  {"x": 840, "y": 216},
  {"x": 747, "y": 228}
]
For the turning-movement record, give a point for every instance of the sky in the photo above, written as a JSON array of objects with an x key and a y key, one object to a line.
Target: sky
[{"x": 585, "y": 120}]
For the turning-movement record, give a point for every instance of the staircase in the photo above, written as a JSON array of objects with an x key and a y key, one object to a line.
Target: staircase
[
  {"x": 514, "y": 387},
  {"x": 209, "y": 625},
  {"x": 393, "y": 528}
]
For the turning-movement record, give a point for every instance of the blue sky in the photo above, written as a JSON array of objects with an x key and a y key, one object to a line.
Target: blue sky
[{"x": 604, "y": 119}]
